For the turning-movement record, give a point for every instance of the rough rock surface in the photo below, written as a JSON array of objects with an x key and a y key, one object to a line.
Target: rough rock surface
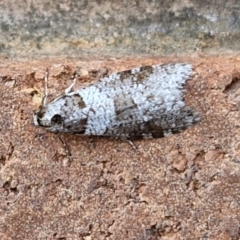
[
  {"x": 182, "y": 187},
  {"x": 118, "y": 28}
]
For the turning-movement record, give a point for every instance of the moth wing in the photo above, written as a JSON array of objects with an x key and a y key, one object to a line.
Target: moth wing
[
  {"x": 155, "y": 126},
  {"x": 162, "y": 76},
  {"x": 149, "y": 101}
]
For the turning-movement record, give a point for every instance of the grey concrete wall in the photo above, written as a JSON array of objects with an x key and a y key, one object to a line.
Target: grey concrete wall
[{"x": 118, "y": 28}]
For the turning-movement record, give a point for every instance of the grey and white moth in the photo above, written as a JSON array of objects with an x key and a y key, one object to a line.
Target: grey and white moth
[{"x": 144, "y": 102}]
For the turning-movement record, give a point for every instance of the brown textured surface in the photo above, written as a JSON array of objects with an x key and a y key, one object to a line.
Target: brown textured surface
[{"x": 181, "y": 187}]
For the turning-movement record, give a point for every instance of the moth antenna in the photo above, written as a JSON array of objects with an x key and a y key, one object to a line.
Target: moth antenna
[
  {"x": 70, "y": 88},
  {"x": 45, "y": 87}
]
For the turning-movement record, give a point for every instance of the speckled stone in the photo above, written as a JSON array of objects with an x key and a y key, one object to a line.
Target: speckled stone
[
  {"x": 181, "y": 187},
  {"x": 118, "y": 28}
]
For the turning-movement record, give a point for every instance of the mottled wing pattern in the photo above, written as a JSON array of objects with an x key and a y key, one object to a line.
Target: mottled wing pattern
[
  {"x": 145, "y": 102},
  {"x": 148, "y": 101}
]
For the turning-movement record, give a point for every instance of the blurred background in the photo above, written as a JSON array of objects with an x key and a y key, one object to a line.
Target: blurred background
[{"x": 118, "y": 28}]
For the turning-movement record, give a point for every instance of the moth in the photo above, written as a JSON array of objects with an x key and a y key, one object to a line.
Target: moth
[{"x": 145, "y": 102}]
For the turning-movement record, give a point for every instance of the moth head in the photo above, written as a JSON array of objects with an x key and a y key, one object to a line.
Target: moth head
[
  {"x": 52, "y": 121},
  {"x": 57, "y": 115}
]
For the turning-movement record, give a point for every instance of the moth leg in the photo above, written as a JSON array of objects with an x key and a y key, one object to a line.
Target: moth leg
[
  {"x": 133, "y": 146},
  {"x": 70, "y": 88},
  {"x": 44, "y": 100},
  {"x": 92, "y": 141},
  {"x": 65, "y": 145}
]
